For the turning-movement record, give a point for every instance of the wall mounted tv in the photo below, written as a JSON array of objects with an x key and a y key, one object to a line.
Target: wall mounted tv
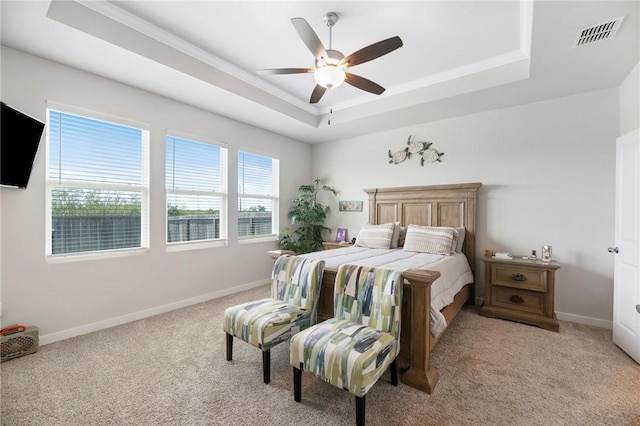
[{"x": 20, "y": 137}]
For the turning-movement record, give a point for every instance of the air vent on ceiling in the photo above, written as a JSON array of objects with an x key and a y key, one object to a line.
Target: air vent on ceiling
[{"x": 598, "y": 32}]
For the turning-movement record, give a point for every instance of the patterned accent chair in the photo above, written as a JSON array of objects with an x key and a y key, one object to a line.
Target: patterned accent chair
[
  {"x": 352, "y": 350},
  {"x": 292, "y": 307}
]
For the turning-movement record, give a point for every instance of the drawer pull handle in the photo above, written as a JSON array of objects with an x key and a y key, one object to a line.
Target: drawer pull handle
[
  {"x": 518, "y": 277},
  {"x": 516, "y": 299}
]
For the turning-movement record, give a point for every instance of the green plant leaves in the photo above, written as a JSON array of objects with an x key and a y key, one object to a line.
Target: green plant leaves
[{"x": 309, "y": 215}]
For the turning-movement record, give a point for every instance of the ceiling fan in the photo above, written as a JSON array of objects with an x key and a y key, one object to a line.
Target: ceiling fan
[{"x": 331, "y": 64}]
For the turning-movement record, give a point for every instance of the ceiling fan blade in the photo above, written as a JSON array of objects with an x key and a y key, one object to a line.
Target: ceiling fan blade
[
  {"x": 363, "y": 84},
  {"x": 317, "y": 94},
  {"x": 372, "y": 51},
  {"x": 272, "y": 71},
  {"x": 309, "y": 37}
]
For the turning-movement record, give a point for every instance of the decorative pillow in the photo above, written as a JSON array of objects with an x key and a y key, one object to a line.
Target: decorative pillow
[
  {"x": 454, "y": 243},
  {"x": 461, "y": 234},
  {"x": 395, "y": 238},
  {"x": 429, "y": 239},
  {"x": 375, "y": 236},
  {"x": 403, "y": 235}
]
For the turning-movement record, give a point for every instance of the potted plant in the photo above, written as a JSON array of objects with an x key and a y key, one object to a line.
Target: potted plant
[{"x": 308, "y": 215}]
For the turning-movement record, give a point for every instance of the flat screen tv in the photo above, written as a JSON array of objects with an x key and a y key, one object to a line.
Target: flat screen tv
[{"x": 20, "y": 137}]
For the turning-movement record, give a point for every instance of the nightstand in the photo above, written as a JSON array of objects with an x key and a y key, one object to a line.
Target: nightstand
[
  {"x": 329, "y": 245},
  {"x": 520, "y": 290}
]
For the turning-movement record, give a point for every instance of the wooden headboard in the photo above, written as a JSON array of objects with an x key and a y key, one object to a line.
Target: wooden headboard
[{"x": 435, "y": 205}]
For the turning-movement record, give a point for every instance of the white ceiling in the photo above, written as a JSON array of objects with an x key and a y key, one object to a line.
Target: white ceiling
[{"x": 458, "y": 57}]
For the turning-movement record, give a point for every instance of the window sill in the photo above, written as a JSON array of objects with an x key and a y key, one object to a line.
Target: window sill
[
  {"x": 195, "y": 245},
  {"x": 81, "y": 257},
  {"x": 265, "y": 239}
]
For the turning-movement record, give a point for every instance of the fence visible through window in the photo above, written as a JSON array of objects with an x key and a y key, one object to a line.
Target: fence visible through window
[
  {"x": 76, "y": 234},
  {"x": 107, "y": 232}
]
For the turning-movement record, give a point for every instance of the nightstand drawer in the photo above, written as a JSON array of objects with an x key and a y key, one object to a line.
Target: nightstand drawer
[
  {"x": 520, "y": 290},
  {"x": 519, "y": 300},
  {"x": 519, "y": 277}
]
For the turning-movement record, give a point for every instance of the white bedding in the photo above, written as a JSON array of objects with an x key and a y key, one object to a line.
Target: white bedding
[{"x": 454, "y": 270}]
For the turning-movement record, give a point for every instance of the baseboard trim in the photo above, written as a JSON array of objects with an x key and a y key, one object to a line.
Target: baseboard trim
[
  {"x": 579, "y": 319},
  {"x": 111, "y": 322},
  {"x": 584, "y": 320}
]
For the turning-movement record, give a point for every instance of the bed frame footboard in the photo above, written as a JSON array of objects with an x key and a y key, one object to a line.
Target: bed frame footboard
[{"x": 415, "y": 338}]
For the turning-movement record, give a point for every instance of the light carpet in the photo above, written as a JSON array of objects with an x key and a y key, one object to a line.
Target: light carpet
[{"x": 171, "y": 370}]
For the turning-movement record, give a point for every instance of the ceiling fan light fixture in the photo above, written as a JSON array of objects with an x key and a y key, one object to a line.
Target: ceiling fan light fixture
[
  {"x": 331, "y": 64},
  {"x": 329, "y": 76}
]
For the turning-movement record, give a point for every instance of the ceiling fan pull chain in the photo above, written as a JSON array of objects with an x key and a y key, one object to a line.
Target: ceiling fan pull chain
[{"x": 330, "y": 113}]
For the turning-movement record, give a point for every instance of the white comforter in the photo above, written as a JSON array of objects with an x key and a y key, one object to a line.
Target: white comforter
[{"x": 454, "y": 270}]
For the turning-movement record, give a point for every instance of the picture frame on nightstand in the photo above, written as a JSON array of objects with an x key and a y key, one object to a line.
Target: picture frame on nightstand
[{"x": 341, "y": 235}]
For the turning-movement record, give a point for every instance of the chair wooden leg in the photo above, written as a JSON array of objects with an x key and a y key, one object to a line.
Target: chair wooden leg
[
  {"x": 360, "y": 403},
  {"x": 229, "y": 347},
  {"x": 266, "y": 365},
  {"x": 394, "y": 373},
  {"x": 297, "y": 384}
]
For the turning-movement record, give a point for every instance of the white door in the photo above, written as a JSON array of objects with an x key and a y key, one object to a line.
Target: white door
[{"x": 626, "y": 281}]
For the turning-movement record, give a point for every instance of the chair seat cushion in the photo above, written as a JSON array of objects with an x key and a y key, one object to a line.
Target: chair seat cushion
[
  {"x": 346, "y": 354},
  {"x": 266, "y": 322}
]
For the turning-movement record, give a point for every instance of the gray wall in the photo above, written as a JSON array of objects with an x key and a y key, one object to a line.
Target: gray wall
[
  {"x": 547, "y": 170},
  {"x": 69, "y": 298}
]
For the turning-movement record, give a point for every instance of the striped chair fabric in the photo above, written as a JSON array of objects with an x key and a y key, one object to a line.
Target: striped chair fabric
[
  {"x": 292, "y": 307},
  {"x": 352, "y": 350}
]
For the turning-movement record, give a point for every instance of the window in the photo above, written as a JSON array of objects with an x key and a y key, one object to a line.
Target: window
[
  {"x": 258, "y": 195},
  {"x": 196, "y": 191},
  {"x": 97, "y": 184}
]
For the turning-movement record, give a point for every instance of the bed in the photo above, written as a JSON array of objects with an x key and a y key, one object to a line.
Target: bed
[
  {"x": 438, "y": 205},
  {"x": 455, "y": 273}
]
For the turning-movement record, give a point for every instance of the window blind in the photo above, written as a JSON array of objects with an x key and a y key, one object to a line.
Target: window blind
[
  {"x": 97, "y": 185},
  {"x": 196, "y": 190},
  {"x": 258, "y": 195}
]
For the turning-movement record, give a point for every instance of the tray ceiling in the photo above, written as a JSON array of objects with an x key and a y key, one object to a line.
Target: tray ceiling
[{"x": 457, "y": 57}]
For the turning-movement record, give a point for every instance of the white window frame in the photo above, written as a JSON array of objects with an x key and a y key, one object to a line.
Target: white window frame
[
  {"x": 223, "y": 241},
  {"x": 51, "y": 184},
  {"x": 275, "y": 198}
]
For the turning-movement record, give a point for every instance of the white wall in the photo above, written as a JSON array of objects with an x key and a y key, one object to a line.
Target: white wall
[
  {"x": 630, "y": 101},
  {"x": 66, "y": 299},
  {"x": 547, "y": 171}
]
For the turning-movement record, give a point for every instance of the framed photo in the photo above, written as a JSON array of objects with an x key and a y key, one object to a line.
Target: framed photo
[
  {"x": 341, "y": 235},
  {"x": 350, "y": 206}
]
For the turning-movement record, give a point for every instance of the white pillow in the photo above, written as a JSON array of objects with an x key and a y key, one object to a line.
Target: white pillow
[
  {"x": 429, "y": 239},
  {"x": 461, "y": 234},
  {"x": 395, "y": 238},
  {"x": 375, "y": 236}
]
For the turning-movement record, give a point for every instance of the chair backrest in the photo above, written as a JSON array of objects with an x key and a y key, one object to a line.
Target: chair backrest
[
  {"x": 297, "y": 280},
  {"x": 369, "y": 296}
]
